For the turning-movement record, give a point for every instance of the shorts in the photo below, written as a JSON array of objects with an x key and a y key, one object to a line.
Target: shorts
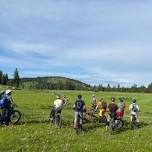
[
  {"x": 102, "y": 112},
  {"x": 120, "y": 115}
]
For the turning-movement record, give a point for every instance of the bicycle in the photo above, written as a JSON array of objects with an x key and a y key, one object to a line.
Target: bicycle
[
  {"x": 55, "y": 117},
  {"x": 15, "y": 115},
  {"x": 115, "y": 123}
]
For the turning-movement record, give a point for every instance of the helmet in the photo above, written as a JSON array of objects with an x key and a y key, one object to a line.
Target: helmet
[
  {"x": 93, "y": 95},
  {"x": 113, "y": 99},
  {"x": 57, "y": 97},
  {"x": 121, "y": 99},
  {"x": 134, "y": 100},
  {"x": 79, "y": 96},
  {"x": 8, "y": 91}
]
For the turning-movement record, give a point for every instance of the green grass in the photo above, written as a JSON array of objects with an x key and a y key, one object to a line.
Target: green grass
[{"x": 34, "y": 133}]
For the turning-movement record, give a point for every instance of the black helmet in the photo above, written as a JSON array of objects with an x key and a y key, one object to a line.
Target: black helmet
[
  {"x": 79, "y": 96},
  {"x": 121, "y": 99},
  {"x": 134, "y": 100}
]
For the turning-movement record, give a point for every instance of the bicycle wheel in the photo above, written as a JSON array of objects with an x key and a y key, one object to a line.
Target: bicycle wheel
[
  {"x": 15, "y": 116},
  {"x": 119, "y": 123}
]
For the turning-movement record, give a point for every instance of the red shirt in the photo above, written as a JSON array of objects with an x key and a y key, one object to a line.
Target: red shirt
[{"x": 112, "y": 107}]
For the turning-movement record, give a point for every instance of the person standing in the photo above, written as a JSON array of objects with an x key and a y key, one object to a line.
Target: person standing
[
  {"x": 79, "y": 108},
  {"x": 134, "y": 109},
  {"x": 94, "y": 102},
  {"x": 121, "y": 108}
]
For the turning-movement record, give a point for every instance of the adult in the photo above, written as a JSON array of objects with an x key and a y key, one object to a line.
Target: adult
[
  {"x": 121, "y": 108},
  {"x": 134, "y": 109},
  {"x": 79, "y": 108}
]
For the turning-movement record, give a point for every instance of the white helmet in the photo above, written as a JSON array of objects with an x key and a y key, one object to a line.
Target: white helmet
[
  {"x": 8, "y": 91},
  {"x": 58, "y": 97}
]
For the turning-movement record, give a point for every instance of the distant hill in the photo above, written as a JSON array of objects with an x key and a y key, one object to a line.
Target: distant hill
[{"x": 53, "y": 83}]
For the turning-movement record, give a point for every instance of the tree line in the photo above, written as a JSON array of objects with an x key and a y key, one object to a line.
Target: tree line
[
  {"x": 133, "y": 89},
  {"x": 42, "y": 83},
  {"x": 4, "y": 80}
]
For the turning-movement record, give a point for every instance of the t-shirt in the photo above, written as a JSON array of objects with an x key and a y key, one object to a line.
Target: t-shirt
[
  {"x": 133, "y": 108},
  {"x": 121, "y": 107},
  {"x": 112, "y": 107},
  {"x": 58, "y": 103},
  {"x": 79, "y": 105},
  {"x": 6, "y": 101},
  {"x": 94, "y": 101}
]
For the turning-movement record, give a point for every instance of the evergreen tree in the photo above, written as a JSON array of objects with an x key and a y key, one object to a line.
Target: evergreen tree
[
  {"x": 16, "y": 78},
  {"x": 4, "y": 79},
  {"x": 1, "y": 75}
]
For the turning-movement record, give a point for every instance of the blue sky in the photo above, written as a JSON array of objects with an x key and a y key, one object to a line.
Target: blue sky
[{"x": 106, "y": 41}]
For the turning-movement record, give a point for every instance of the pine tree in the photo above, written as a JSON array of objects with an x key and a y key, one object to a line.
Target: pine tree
[
  {"x": 1, "y": 75},
  {"x": 16, "y": 78},
  {"x": 4, "y": 79}
]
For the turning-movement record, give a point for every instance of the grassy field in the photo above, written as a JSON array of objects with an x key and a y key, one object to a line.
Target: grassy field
[{"x": 34, "y": 133}]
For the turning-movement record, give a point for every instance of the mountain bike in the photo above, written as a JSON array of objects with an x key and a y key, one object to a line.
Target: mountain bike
[
  {"x": 115, "y": 123},
  {"x": 15, "y": 115},
  {"x": 55, "y": 117}
]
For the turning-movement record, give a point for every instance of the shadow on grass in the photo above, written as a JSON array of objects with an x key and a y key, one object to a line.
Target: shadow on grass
[{"x": 127, "y": 126}]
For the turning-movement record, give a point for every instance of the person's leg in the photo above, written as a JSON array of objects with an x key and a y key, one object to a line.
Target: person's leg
[
  {"x": 108, "y": 122},
  {"x": 7, "y": 116},
  {"x": 81, "y": 119},
  {"x": 75, "y": 119}
]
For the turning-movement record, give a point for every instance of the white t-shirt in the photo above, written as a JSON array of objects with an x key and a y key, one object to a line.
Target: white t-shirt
[
  {"x": 58, "y": 103},
  {"x": 131, "y": 108}
]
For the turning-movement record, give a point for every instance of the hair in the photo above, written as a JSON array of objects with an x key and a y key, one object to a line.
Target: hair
[
  {"x": 101, "y": 99},
  {"x": 79, "y": 96},
  {"x": 134, "y": 100}
]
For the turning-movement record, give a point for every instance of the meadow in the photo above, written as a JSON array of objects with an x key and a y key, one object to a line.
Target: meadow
[{"x": 34, "y": 133}]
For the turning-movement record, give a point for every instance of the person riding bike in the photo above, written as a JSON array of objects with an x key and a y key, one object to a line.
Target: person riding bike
[
  {"x": 93, "y": 102},
  {"x": 121, "y": 108},
  {"x": 112, "y": 108},
  {"x": 6, "y": 104},
  {"x": 134, "y": 109},
  {"x": 79, "y": 108}
]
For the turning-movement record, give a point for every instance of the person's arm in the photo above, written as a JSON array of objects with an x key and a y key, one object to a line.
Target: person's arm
[
  {"x": 130, "y": 107},
  {"x": 74, "y": 105},
  {"x": 84, "y": 107},
  {"x": 12, "y": 102},
  {"x": 138, "y": 108}
]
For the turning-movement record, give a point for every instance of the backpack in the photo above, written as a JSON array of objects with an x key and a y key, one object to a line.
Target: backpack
[
  {"x": 104, "y": 105},
  {"x": 134, "y": 108},
  {"x": 4, "y": 102}
]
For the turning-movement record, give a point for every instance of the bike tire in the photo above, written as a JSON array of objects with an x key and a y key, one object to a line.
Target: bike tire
[
  {"x": 15, "y": 117},
  {"x": 119, "y": 123}
]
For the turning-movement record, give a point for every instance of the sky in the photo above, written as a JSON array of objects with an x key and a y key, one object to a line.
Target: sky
[{"x": 94, "y": 41}]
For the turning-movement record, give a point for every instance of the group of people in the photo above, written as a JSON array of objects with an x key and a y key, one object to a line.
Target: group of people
[
  {"x": 6, "y": 102},
  {"x": 113, "y": 109}
]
